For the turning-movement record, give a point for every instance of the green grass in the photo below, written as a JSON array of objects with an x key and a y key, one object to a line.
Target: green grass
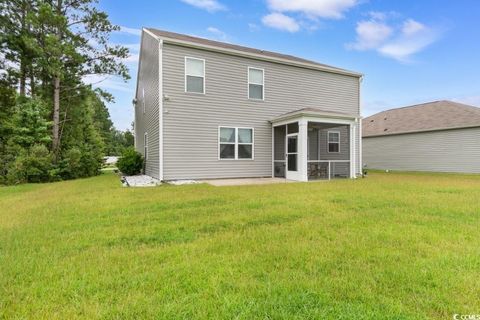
[{"x": 391, "y": 246}]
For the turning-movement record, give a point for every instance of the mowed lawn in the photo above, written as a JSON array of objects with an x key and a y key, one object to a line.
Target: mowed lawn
[{"x": 391, "y": 246}]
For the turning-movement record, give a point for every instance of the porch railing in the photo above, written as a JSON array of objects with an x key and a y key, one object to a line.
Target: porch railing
[{"x": 328, "y": 169}]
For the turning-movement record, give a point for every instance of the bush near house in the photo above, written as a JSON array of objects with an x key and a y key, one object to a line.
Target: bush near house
[
  {"x": 390, "y": 246},
  {"x": 131, "y": 162}
]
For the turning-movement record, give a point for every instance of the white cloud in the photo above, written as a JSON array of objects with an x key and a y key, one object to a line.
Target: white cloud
[
  {"x": 132, "y": 31},
  {"x": 370, "y": 35},
  {"x": 332, "y": 9},
  {"x": 217, "y": 34},
  {"x": 413, "y": 38},
  {"x": 253, "y": 27},
  {"x": 209, "y": 5},
  {"x": 280, "y": 21},
  {"x": 397, "y": 42}
]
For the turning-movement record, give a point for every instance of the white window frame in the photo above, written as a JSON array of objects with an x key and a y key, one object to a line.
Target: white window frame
[
  {"x": 328, "y": 141},
  {"x": 263, "y": 84},
  {"x": 236, "y": 143},
  {"x": 145, "y": 146},
  {"x": 185, "y": 72},
  {"x": 143, "y": 100}
]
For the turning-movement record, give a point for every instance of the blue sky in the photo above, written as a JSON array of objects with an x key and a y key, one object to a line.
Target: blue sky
[{"x": 409, "y": 51}]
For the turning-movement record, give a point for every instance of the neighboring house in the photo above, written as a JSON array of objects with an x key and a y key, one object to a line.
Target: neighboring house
[
  {"x": 206, "y": 109},
  {"x": 440, "y": 136}
]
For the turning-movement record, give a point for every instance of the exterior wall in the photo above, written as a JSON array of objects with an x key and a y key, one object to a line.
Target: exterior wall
[
  {"x": 314, "y": 137},
  {"x": 148, "y": 121},
  {"x": 191, "y": 121},
  {"x": 442, "y": 151}
]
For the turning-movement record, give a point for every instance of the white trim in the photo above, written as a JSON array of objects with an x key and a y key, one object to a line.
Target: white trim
[
  {"x": 185, "y": 73},
  {"x": 145, "y": 146},
  {"x": 328, "y": 141},
  {"x": 360, "y": 141},
  {"x": 236, "y": 144},
  {"x": 258, "y": 56},
  {"x": 151, "y": 34},
  {"x": 263, "y": 84},
  {"x": 160, "y": 109},
  {"x": 143, "y": 100},
  {"x": 273, "y": 151},
  {"x": 312, "y": 119}
]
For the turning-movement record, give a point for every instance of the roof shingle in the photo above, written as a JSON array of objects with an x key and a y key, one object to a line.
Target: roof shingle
[
  {"x": 437, "y": 115},
  {"x": 223, "y": 45}
]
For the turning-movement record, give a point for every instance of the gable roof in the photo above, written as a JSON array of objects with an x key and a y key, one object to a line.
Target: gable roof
[
  {"x": 431, "y": 116},
  {"x": 314, "y": 112},
  {"x": 186, "y": 40}
]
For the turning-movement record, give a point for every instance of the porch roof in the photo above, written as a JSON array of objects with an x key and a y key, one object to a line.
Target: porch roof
[{"x": 314, "y": 112}]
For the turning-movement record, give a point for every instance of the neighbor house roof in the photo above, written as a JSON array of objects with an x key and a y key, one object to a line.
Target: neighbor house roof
[
  {"x": 186, "y": 40},
  {"x": 315, "y": 113},
  {"x": 431, "y": 116}
]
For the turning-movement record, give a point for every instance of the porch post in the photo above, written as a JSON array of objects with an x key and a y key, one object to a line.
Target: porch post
[
  {"x": 303, "y": 149},
  {"x": 352, "y": 150}
]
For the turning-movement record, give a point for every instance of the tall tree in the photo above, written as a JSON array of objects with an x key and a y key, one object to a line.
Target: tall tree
[
  {"x": 16, "y": 37},
  {"x": 75, "y": 43}
]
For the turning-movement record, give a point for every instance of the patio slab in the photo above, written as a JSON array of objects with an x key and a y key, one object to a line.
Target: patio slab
[{"x": 244, "y": 181}]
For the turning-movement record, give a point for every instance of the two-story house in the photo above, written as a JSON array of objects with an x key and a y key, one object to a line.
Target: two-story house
[{"x": 206, "y": 109}]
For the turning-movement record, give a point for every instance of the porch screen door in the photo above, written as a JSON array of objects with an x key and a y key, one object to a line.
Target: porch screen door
[{"x": 292, "y": 156}]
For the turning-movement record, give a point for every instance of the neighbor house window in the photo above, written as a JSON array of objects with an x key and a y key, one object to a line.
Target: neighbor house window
[
  {"x": 145, "y": 146},
  {"x": 194, "y": 75},
  {"x": 235, "y": 143},
  {"x": 333, "y": 141},
  {"x": 143, "y": 99},
  {"x": 255, "y": 83}
]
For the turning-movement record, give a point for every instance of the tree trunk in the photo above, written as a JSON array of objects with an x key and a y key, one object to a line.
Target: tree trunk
[
  {"x": 32, "y": 82},
  {"x": 56, "y": 115},
  {"x": 23, "y": 77}
]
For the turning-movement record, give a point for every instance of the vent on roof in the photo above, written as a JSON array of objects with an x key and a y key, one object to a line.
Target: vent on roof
[
  {"x": 385, "y": 129},
  {"x": 372, "y": 120},
  {"x": 385, "y": 118}
]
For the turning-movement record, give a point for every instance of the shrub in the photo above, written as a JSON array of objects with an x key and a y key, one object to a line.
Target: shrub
[
  {"x": 131, "y": 162},
  {"x": 32, "y": 166}
]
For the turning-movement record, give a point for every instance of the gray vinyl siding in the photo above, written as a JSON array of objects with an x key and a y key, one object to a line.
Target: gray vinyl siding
[
  {"x": 148, "y": 122},
  {"x": 191, "y": 121},
  {"x": 313, "y": 138},
  {"x": 439, "y": 151}
]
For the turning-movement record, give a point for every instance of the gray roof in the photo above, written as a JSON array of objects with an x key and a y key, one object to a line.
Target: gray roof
[
  {"x": 314, "y": 112},
  {"x": 431, "y": 116},
  {"x": 241, "y": 49}
]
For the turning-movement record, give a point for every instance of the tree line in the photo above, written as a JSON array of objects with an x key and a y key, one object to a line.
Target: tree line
[{"x": 52, "y": 125}]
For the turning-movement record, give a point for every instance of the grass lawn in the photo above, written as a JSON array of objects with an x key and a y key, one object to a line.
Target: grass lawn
[{"x": 391, "y": 246}]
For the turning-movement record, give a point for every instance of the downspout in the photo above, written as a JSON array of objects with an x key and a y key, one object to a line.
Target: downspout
[{"x": 160, "y": 106}]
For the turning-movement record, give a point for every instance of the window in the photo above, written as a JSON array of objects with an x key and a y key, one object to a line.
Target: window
[
  {"x": 333, "y": 141},
  {"x": 143, "y": 99},
  {"x": 255, "y": 83},
  {"x": 235, "y": 143},
  {"x": 194, "y": 75},
  {"x": 145, "y": 146}
]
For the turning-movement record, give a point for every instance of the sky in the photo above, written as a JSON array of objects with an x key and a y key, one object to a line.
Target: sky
[{"x": 410, "y": 52}]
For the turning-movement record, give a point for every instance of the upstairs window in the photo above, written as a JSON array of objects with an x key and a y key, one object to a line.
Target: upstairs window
[
  {"x": 235, "y": 143},
  {"x": 255, "y": 84},
  {"x": 333, "y": 141},
  {"x": 194, "y": 75}
]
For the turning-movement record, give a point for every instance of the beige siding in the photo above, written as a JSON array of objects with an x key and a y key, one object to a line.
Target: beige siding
[
  {"x": 442, "y": 151},
  {"x": 148, "y": 122},
  {"x": 191, "y": 120}
]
